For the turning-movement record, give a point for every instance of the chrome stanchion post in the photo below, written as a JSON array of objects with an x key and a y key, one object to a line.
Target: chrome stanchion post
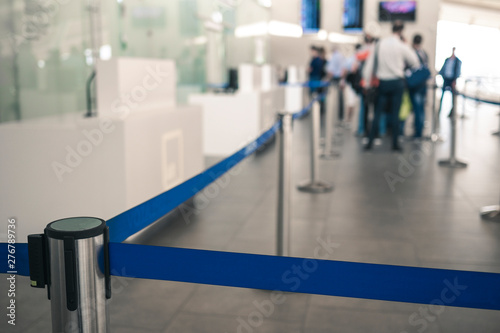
[
  {"x": 497, "y": 133},
  {"x": 464, "y": 116},
  {"x": 72, "y": 259},
  {"x": 453, "y": 162},
  {"x": 435, "y": 137},
  {"x": 284, "y": 184},
  {"x": 314, "y": 185},
  {"x": 491, "y": 213},
  {"x": 328, "y": 152}
]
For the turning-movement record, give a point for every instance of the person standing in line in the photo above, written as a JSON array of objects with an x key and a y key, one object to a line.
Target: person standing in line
[
  {"x": 335, "y": 71},
  {"x": 321, "y": 90},
  {"x": 315, "y": 70},
  {"x": 418, "y": 94},
  {"x": 365, "y": 99},
  {"x": 387, "y": 63},
  {"x": 351, "y": 95},
  {"x": 451, "y": 70}
]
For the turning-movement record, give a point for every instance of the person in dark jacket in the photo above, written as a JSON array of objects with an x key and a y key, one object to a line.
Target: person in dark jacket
[{"x": 451, "y": 70}]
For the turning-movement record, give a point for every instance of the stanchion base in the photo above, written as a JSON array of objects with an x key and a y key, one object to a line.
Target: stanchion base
[
  {"x": 316, "y": 187},
  {"x": 452, "y": 164},
  {"x": 436, "y": 138},
  {"x": 491, "y": 213},
  {"x": 330, "y": 156}
]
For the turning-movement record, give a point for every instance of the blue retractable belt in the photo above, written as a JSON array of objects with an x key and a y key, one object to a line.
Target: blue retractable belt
[
  {"x": 479, "y": 99},
  {"x": 312, "y": 276},
  {"x": 302, "y": 275}
]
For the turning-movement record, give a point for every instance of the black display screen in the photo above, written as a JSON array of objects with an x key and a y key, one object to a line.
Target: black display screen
[
  {"x": 352, "y": 18},
  {"x": 397, "y": 10},
  {"x": 310, "y": 16}
]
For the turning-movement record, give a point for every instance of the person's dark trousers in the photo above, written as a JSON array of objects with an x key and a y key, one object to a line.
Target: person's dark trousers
[
  {"x": 389, "y": 92},
  {"x": 336, "y": 83},
  {"x": 417, "y": 97},
  {"x": 370, "y": 99},
  {"x": 446, "y": 87}
]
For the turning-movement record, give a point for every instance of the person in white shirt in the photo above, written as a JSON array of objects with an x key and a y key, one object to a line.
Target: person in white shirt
[
  {"x": 351, "y": 97},
  {"x": 388, "y": 63},
  {"x": 335, "y": 71}
]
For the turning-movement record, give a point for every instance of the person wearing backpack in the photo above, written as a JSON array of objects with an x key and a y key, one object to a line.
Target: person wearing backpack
[
  {"x": 387, "y": 65},
  {"x": 451, "y": 71}
]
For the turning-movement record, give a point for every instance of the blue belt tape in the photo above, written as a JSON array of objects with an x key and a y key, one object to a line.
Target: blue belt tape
[
  {"x": 312, "y": 276},
  {"x": 20, "y": 255},
  {"x": 134, "y": 220},
  {"x": 479, "y": 99},
  {"x": 305, "y": 110},
  {"x": 307, "y": 84}
]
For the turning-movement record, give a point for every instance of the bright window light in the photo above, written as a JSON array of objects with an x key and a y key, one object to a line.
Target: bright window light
[
  {"x": 265, "y": 3},
  {"x": 336, "y": 37},
  {"x": 217, "y": 17},
  {"x": 274, "y": 28},
  {"x": 322, "y": 35},
  {"x": 477, "y": 47},
  {"x": 277, "y": 28},
  {"x": 105, "y": 52},
  {"x": 251, "y": 30}
]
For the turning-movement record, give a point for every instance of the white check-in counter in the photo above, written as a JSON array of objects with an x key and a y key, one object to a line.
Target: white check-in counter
[{"x": 232, "y": 120}]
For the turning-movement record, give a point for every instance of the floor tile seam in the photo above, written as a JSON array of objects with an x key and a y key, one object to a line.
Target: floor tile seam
[
  {"x": 180, "y": 308},
  {"x": 235, "y": 316}
]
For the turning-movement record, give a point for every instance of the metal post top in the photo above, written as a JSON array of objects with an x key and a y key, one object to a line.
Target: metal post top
[
  {"x": 283, "y": 113},
  {"x": 76, "y": 227}
]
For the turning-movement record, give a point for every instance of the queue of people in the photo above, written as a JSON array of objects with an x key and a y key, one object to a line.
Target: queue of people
[{"x": 387, "y": 79}]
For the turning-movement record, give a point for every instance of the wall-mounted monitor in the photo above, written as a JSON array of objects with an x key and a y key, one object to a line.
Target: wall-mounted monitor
[
  {"x": 352, "y": 18},
  {"x": 310, "y": 16},
  {"x": 397, "y": 10}
]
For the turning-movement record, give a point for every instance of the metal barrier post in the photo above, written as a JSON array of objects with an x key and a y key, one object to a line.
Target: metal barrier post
[
  {"x": 452, "y": 162},
  {"x": 435, "y": 136},
  {"x": 284, "y": 184},
  {"x": 491, "y": 213},
  {"x": 72, "y": 259},
  {"x": 314, "y": 185},
  {"x": 497, "y": 133},
  {"x": 328, "y": 152},
  {"x": 464, "y": 116}
]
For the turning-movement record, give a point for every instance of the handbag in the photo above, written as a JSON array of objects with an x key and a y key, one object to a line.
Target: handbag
[
  {"x": 405, "y": 110},
  {"x": 419, "y": 76},
  {"x": 374, "y": 81},
  {"x": 372, "y": 92}
]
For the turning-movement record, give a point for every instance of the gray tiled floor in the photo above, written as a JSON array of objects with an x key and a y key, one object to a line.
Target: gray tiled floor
[{"x": 429, "y": 220}]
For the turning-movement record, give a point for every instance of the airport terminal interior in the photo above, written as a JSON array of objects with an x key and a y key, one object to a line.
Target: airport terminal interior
[{"x": 197, "y": 128}]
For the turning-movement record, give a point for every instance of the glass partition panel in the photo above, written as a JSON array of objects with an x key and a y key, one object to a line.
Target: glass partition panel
[
  {"x": 46, "y": 47},
  {"x": 42, "y": 56}
]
